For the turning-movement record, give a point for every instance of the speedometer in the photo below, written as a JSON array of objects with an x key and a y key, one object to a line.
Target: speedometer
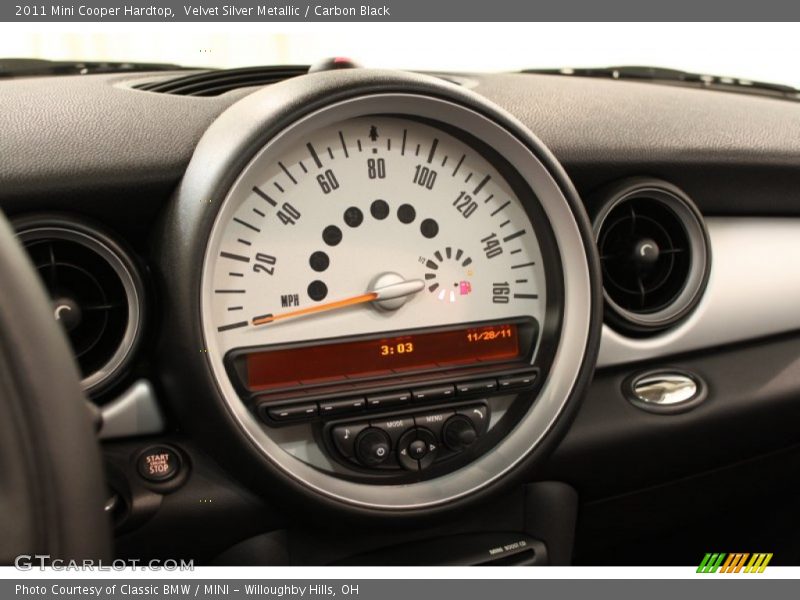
[
  {"x": 388, "y": 286},
  {"x": 383, "y": 229}
]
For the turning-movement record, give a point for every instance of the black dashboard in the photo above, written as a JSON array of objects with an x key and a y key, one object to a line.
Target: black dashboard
[{"x": 419, "y": 305}]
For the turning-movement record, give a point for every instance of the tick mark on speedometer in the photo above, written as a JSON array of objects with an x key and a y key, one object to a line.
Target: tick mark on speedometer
[
  {"x": 232, "y": 326},
  {"x": 314, "y": 155},
  {"x": 483, "y": 182},
  {"x": 499, "y": 208},
  {"x": 433, "y": 150},
  {"x": 458, "y": 166},
  {"x": 344, "y": 145},
  {"x": 288, "y": 174},
  {"x": 512, "y": 236},
  {"x": 264, "y": 196},
  {"x": 246, "y": 224},
  {"x": 233, "y": 256}
]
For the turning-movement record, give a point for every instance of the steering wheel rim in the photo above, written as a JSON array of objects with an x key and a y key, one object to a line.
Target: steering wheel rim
[{"x": 51, "y": 477}]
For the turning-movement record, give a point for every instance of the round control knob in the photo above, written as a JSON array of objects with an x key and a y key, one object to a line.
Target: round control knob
[
  {"x": 372, "y": 447},
  {"x": 459, "y": 433}
]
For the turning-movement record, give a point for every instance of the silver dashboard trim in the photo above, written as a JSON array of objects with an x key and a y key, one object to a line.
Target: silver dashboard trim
[
  {"x": 136, "y": 412},
  {"x": 753, "y": 291}
]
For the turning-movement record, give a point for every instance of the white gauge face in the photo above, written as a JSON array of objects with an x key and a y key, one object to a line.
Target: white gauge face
[
  {"x": 378, "y": 256},
  {"x": 369, "y": 226}
]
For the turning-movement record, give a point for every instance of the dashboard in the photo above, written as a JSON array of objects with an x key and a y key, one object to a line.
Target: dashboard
[{"x": 392, "y": 296}]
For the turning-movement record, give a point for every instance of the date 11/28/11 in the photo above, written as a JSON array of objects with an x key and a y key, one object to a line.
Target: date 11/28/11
[{"x": 489, "y": 335}]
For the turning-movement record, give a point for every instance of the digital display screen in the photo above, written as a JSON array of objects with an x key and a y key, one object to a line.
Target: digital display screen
[{"x": 382, "y": 356}]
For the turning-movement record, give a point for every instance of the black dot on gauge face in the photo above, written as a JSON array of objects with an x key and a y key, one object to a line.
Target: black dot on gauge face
[
  {"x": 379, "y": 209},
  {"x": 319, "y": 261},
  {"x": 353, "y": 217},
  {"x": 332, "y": 235},
  {"x": 317, "y": 290},
  {"x": 406, "y": 213},
  {"x": 429, "y": 228}
]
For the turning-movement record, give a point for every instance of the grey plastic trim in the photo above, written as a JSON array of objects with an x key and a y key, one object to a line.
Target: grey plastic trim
[
  {"x": 753, "y": 291},
  {"x": 134, "y": 413}
]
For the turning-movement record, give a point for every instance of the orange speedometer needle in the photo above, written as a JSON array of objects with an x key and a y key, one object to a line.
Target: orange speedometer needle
[
  {"x": 387, "y": 292},
  {"x": 352, "y": 301}
]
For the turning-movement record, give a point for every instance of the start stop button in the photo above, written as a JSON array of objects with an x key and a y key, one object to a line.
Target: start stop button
[{"x": 159, "y": 463}]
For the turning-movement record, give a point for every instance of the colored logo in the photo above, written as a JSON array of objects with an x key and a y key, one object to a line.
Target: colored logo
[{"x": 721, "y": 562}]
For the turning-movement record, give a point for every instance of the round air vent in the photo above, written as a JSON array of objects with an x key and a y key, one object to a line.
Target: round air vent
[
  {"x": 96, "y": 291},
  {"x": 654, "y": 252}
]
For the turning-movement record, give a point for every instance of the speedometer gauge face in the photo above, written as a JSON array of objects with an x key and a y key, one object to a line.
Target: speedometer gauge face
[
  {"x": 388, "y": 283},
  {"x": 385, "y": 243}
]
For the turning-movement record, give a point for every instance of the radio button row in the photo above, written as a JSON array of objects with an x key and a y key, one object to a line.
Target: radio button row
[
  {"x": 389, "y": 399},
  {"x": 292, "y": 412},
  {"x": 440, "y": 392},
  {"x": 484, "y": 386},
  {"x": 517, "y": 381},
  {"x": 334, "y": 407}
]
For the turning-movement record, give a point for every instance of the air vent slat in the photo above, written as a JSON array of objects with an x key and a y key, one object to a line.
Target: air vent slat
[
  {"x": 95, "y": 291},
  {"x": 216, "y": 82},
  {"x": 654, "y": 255}
]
